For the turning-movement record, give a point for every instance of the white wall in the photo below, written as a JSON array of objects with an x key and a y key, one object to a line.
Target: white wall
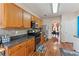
[
  {"x": 48, "y": 22},
  {"x": 69, "y": 29}
]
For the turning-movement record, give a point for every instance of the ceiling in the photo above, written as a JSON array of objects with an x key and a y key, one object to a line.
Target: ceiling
[{"x": 44, "y": 10}]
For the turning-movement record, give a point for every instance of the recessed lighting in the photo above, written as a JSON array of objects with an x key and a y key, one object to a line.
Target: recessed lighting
[{"x": 54, "y": 7}]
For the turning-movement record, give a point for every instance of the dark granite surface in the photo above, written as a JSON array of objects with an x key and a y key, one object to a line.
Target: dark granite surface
[{"x": 16, "y": 40}]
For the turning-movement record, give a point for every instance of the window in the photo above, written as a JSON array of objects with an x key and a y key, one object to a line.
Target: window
[{"x": 77, "y": 25}]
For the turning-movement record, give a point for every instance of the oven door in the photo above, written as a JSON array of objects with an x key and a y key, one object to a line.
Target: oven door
[
  {"x": 0, "y": 41},
  {"x": 37, "y": 40}
]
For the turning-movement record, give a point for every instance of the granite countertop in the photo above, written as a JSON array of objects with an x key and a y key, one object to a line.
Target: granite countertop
[{"x": 17, "y": 41}]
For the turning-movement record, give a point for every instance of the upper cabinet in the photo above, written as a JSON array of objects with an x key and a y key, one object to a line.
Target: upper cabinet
[
  {"x": 1, "y": 15},
  {"x": 26, "y": 20},
  {"x": 12, "y": 16},
  {"x": 38, "y": 21},
  {"x": 34, "y": 18}
]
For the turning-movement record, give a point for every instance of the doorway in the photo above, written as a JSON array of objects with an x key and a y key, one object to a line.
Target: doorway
[{"x": 56, "y": 30}]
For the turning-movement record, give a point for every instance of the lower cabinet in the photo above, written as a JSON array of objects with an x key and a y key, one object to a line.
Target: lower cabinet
[
  {"x": 27, "y": 51},
  {"x": 22, "y": 49},
  {"x": 30, "y": 47},
  {"x": 30, "y": 50},
  {"x": 20, "y": 52},
  {"x": 17, "y": 50}
]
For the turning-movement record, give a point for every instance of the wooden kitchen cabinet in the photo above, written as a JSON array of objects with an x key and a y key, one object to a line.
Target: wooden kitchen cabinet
[
  {"x": 17, "y": 50},
  {"x": 38, "y": 21},
  {"x": 25, "y": 48},
  {"x": 26, "y": 19},
  {"x": 1, "y": 15},
  {"x": 20, "y": 52},
  {"x": 30, "y": 47},
  {"x": 34, "y": 18},
  {"x": 11, "y": 16}
]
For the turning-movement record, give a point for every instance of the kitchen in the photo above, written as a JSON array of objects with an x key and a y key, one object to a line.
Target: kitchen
[
  {"x": 19, "y": 22},
  {"x": 24, "y": 33}
]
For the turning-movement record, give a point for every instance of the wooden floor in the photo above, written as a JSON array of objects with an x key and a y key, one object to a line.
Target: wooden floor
[
  {"x": 38, "y": 54},
  {"x": 51, "y": 47}
]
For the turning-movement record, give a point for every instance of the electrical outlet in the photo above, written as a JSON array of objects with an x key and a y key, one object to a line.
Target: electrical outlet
[{"x": 16, "y": 32}]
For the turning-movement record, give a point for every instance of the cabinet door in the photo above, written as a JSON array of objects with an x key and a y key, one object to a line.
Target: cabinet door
[
  {"x": 40, "y": 23},
  {"x": 33, "y": 18},
  {"x": 17, "y": 50},
  {"x": 30, "y": 50},
  {"x": 13, "y": 16},
  {"x": 1, "y": 15},
  {"x": 26, "y": 19},
  {"x": 30, "y": 46},
  {"x": 20, "y": 52},
  {"x": 27, "y": 51}
]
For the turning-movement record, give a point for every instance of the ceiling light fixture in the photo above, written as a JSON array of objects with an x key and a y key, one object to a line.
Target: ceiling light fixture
[{"x": 54, "y": 7}]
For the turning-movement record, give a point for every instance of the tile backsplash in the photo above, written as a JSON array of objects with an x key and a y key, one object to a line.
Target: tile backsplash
[{"x": 13, "y": 32}]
